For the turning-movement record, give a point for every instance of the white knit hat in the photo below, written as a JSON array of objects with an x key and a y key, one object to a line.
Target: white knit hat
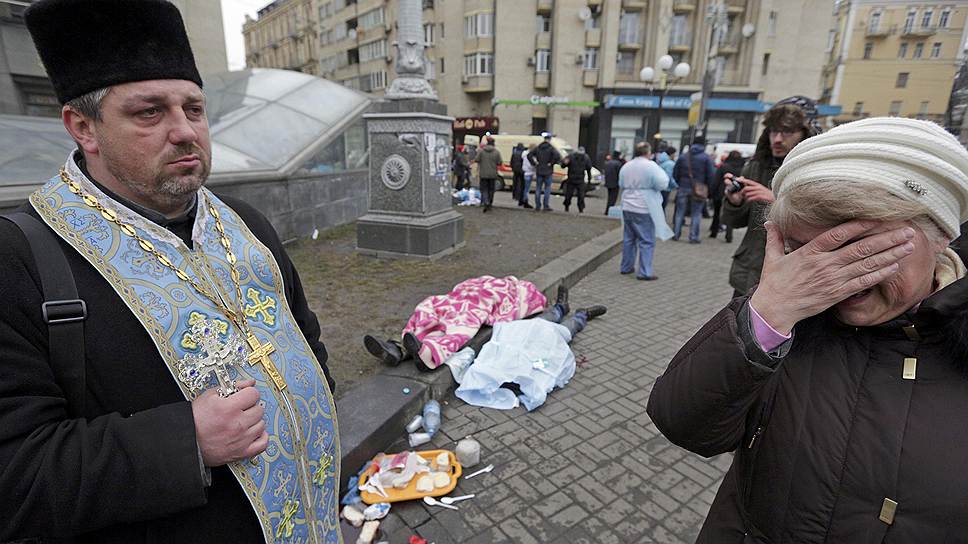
[{"x": 914, "y": 160}]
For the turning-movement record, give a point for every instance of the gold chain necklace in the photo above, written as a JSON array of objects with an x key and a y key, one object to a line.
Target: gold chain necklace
[{"x": 260, "y": 352}]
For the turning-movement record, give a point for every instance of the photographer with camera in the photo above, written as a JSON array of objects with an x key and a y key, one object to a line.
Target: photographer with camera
[
  {"x": 732, "y": 166},
  {"x": 786, "y": 124}
]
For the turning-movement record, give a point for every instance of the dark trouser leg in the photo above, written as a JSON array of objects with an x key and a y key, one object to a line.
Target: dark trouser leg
[
  {"x": 487, "y": 191},
  {"x": 519, "y": 184},
  {"x": 569, "y": 192},
  {"x": 555, "y": 313},
  {"x": 714, "y": 227},
  {"x": 581, "y": 196},
  {"x": 612, "y": 198},
  {"x": 576, "y": 323}
]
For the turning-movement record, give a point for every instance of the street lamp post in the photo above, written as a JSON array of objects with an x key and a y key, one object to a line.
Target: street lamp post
[{"x": 648, "y": 75}]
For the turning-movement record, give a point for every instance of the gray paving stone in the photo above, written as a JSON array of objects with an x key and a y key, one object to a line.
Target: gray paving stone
[{"x": 589, "y": 466}]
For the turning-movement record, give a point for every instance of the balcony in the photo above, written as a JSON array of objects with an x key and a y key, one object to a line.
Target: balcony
[
  {"x": 593, "y": 37},
  {"x": 477, "y": 84},
  {"x": 542, "y": 80},
  {"x": 634, "y": 5},
  {"x": 728, "y": 47},
  {"x": 683, "y": 6},
  {"x": 629, "y": 43},
  {"x": 679, "y": 47},
  {"x": 479, "y": 45},
  {"x": 546, "y": 6},
  {"x": 918, "y": 32},
  {"x": 594, "y": 3},
  {"x": 680, "y": 42},
  {"x": 878, "y": 31},
  {"x": 735, "y": 7},
  {"x": 542, "y": 40},
  {"x": 589, "y": 78}
]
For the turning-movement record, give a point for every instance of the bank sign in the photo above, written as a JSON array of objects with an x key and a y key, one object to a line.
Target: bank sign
[{"x": 714, "y": 104}]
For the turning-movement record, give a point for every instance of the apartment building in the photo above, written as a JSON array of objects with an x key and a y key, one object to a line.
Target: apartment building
[
  {"x": 24, "y": 87},
  {"x": 893, "y": 57},
  {"x": 572, "y": 66},
  {"x": 284, "y": 35}
]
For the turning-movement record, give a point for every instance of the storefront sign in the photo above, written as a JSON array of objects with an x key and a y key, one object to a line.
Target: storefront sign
[
  {"x": 477, "y": 125},
  {"x": 551, "y": 101},
  {"x": 714, "y": 104}
]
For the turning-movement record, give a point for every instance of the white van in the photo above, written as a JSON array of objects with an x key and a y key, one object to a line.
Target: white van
[{"x": 505, "y": 144}]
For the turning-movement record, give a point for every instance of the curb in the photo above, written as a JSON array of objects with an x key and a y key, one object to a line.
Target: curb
[{"x": 373, "y": 414}]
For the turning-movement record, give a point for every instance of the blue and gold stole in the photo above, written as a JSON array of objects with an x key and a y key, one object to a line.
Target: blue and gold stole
[{"x": 293, "y": 485}]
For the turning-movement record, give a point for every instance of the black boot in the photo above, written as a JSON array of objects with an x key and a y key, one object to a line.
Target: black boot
[
  {"x": 562, "y": 297},
  {"x": 593, "y": 311},
  {"x": 387, "y": 351},
  {"x": 411, "y": 345}
]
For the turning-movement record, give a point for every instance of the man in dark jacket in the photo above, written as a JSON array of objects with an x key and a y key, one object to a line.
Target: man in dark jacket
[
  {"x": 120, "y": 438},
  {"x": 613, "y": 164},
  {"x": 462, "y": 168},
  {"x": 694, "y": 168},
  {"x": 544, "y": 158},
  {"x": 517, "y": 173},
  {"x": 579, "y": 167},
  {"x": 733, "y": 165},
  {"x": 786, "y": 124},
  {"x": 488, "y": 160}
]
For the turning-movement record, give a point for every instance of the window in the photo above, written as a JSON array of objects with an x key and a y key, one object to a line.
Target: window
[
  {"x": 936, "y": 50},
  {"x": 831, "y": 39},
  {"x": 902, "y": 79},
  {"x": 441, "y": 31},
  {"x": 628, "y": 31},
  {"x": 542, "y": 60},
  {"x": 895, "y": 108},
  {"x": 590, "y": 60},
  {"x": 373, "y": 50},
  {"x": 766, "y": 63},
  {"x": 875, "y": 22},
  {"x": 478, "y": 64},
  {"x": 858, "y": 108},
  {"x": 325, "y": 10},
  {"x": 926, "y": 18},
  {"x": 771, "y": 28},
  {"x": 441, "y": 65},
  {"x": 923, "y": 109},
  {"x": 370, "y": 19},
  {"x": 909, "y": 21},
  {"x": 593, "y": 22},
  {"x": 943, "y": 19},
  {"x": 679, "y": 31},
  {"x": 542, "y": 23},
  {"x": 428, "y": 34},
  {"x": 626, "y": 62},
  {"x": 868, "y": 49},
  {"x": 918, "y": 50},
  {"x": 902, "y": 51},
  {"x": 479, "y": 25},
  {"x": 373, "y": 81},
  {"x": 430, "y": 68}
]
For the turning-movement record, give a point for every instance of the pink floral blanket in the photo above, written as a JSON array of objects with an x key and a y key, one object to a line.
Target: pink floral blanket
[{"x": 443, "y": 323}]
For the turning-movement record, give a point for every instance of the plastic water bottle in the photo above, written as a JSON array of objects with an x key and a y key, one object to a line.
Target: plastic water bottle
[{"x": 431, "y": 417}]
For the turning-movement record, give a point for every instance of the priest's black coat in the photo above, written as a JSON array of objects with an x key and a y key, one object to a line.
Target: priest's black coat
[{"x": 128, "y": 471}]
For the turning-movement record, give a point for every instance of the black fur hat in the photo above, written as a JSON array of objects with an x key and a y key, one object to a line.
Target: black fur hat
[{"x": 87, "y": 45}]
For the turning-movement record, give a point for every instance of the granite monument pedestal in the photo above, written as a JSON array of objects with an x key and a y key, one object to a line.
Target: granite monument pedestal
[{"x": 410, "y": 205}]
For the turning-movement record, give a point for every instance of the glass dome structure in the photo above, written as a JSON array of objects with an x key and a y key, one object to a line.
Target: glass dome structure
[{"x": 264, "y": 123}]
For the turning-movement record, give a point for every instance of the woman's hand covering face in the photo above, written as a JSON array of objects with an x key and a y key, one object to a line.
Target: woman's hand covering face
[{"x": 844, "y": 262}]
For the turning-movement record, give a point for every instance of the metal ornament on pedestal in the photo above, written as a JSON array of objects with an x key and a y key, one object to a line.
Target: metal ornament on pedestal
[{"x": 410, "y": 211}]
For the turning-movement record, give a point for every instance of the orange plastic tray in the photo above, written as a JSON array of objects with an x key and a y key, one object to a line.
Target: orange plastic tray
[{"x": 410, "y": 493}]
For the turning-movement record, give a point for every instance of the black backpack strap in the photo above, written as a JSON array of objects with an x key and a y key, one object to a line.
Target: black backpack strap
[{"x": 63, "y": 311}]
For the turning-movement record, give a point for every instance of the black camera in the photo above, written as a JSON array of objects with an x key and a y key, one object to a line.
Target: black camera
[{"x": 734, "y": 187}]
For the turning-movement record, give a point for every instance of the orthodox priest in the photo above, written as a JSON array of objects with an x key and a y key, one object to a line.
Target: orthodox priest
[{"x": 206, "y": 410}]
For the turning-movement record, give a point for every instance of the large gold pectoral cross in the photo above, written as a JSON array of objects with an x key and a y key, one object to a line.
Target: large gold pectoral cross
[{"x": 260, "y": 355}]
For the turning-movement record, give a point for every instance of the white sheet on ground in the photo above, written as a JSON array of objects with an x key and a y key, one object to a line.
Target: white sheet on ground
[{"x": 533, "y": 353}]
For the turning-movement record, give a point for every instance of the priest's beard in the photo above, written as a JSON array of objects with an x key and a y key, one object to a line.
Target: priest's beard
[{"x": 158, "y": 189}]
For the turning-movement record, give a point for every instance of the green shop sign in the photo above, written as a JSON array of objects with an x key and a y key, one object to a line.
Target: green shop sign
[{"x": 537, "y": 100}]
